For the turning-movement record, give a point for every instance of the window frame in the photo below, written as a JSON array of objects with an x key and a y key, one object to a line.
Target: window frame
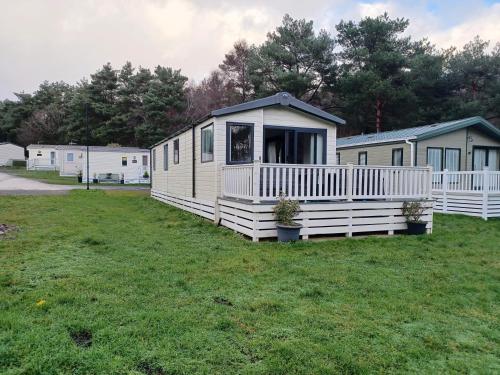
[
  {"x": 228, "y": 143},
  {"x": 124, "y": 159},
  {"x": 366, "y": 157},
  {"x": 394, "y": 150},
  {"x": 459, "y": 156},
  {"x": 144, "y": 157},
  {"x": 337, "y": 158},
  {"x": 176, "y": 151},
  {"x": 441, "y": 149},
  {"x": 165, "y": 157},
  {"x": 72, "y": 157},
  {"x": 213, "y": 143}
]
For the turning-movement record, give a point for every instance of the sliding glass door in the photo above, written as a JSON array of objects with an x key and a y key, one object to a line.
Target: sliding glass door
[{"x": 294, "y": 145}]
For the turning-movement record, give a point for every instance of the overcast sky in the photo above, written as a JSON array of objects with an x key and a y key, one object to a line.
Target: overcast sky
[{"x": 67, "y": 40}]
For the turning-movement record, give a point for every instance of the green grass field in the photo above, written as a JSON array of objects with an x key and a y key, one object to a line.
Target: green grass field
[
  {"x": 50, "y": 177},
  {"x": 114, "y": 282}
]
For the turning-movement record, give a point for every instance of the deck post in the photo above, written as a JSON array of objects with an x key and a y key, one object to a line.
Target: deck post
[
  {"x": 429, "y": 182},
  {"x": 350, "y": 173},
  {"x": 219, "y": 183},
  {"x": 486, "y": 189},
  {"x": 445, "y": 189},
  {"x": 256, "y": 181}
]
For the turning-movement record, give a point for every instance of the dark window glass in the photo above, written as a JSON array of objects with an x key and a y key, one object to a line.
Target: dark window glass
[
  {"x": 363, "y": 158},
  {"x": 338, "y": 158},
  {"x": 165, "y": 157},
  {"x": 124, "y": 161},
  {"x": 207, "y": 143},
  {"x": 176, "y": 151},
  {"x": 154, "y": 160},
  {"x": 240, "y": 143},
  {"x": 144, "y": 160},
  {"x": 397, "y": 157}
]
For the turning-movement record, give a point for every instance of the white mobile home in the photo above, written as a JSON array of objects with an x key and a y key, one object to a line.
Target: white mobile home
[
  {"x": 464, "y": 155},
  {"x": 231, "y": 166},
  {"x": 42, "y": 157},
  {"x": 10, "y": 152},
  {"x": 112, "y": 164}
]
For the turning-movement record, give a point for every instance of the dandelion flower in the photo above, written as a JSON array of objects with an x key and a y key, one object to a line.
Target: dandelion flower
[{"x": 40, "y": 302}]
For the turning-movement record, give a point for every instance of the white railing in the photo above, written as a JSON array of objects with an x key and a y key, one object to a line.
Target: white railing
[
  {"x": 466, "y": 181},
  {"x": 324, "y": 182},
  {"x": 42, "y": 164}
]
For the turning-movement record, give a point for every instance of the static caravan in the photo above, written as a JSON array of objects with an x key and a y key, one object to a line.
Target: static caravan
[
  {"x": 232, "y": 165},
  {"x": 112, "y": 164},
  {"x": 42, "y": 157},
  {"x": 464, "y": 155},
  {"x": 70, "y": 158},
  {"x": 10, "y": 152}
]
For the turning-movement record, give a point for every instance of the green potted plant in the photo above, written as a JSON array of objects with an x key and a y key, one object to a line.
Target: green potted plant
[
  {"x": 413, "y": 212},
  {"x": 79, "y": 175},
  {"x": 145, "y": 175},
  {"x": 95, "y": 180},
  {"x": 284, "y": 212}
]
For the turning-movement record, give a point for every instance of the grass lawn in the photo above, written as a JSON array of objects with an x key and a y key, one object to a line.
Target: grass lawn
[
  {"x": 115, "y": 282},
  {"x": 52, "y": 177}
]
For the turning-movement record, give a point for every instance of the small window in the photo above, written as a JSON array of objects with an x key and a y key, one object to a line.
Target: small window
[
  {"x": 165, "y": 157},
  {"x": 124, "y": 161},
  {"x": 134, "y": 160},
  {"x": 239, "y": 143},
  {"x": 154, "y": 160},
  {"x": 144, "y": 160},
  {"x": 207, "y": 143},
  {"x": 363, "y": 158},
  {"x": 70, "y": 156},
  {"x": 176, "y": 151},
  {"x": 397, "y": 157},
  {"x": 338, "y": 158}
]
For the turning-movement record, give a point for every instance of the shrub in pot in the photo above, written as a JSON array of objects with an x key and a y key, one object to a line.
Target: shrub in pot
[
  {"x": 95, "y": 180},
  {"x": 122, "y": 179},
  {"x": 79, "y": 176},
  {"x": 413, "y": 212},
  {"x": 145, "y": 175},
  {"x": 284, "y": 212}
]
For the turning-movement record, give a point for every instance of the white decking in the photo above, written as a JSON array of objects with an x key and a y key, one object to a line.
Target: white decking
[
  {"x": 469, "y": 193},
  {"x": 42, "y": 164}
]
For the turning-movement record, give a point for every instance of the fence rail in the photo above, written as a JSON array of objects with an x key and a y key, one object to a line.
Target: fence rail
[
  {"x": 42, "y": 164},
  {"x": 466, "y": 181},
  {"x": 324, "y": 182}
]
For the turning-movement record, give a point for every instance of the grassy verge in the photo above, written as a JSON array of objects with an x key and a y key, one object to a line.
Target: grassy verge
[
  {"x": 52, "y": 177},
  {"x": 114, "y": 282}
]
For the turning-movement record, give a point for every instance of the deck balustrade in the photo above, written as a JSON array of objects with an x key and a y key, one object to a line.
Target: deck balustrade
[{"x": 263, "y": 182}]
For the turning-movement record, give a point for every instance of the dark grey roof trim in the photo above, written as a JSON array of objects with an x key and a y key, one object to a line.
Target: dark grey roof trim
[{"x": 283, "y": 99}]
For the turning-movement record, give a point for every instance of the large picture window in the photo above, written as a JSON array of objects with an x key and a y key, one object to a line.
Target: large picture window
[
  {"x": 207, "y": 143},
  {"x": 397, "y": 157},
  {"x": 176, "y": 151},
  {"x": 239, "y": 143},
  {"x": 294, "y": 145},
  {"x": 165, "y": 157},
  {"x": 435, "y": 158}
]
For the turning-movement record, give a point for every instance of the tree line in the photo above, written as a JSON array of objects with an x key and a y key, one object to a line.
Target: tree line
[{"x": 370, "y": 74}]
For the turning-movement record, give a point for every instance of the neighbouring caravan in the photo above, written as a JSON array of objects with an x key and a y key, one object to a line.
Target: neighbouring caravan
[
  {"x": 464, "y": 155},
  {"x": 469, "y": 144},
  {"x": 106, "y": 163},
  {"x": 112, "y": 164},
  {"x": 10, "y": 152},
  {"x": 232, "y": 165}
]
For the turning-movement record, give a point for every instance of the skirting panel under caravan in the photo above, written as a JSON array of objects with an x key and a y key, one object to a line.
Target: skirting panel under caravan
[
  {"x": 196, "y": 206},
  {"x": 468, "y": 203},
  {"x": 320, "y": 218}
]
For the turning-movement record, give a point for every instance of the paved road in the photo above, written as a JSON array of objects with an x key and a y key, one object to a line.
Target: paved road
[{"x": 13, "y": 185}]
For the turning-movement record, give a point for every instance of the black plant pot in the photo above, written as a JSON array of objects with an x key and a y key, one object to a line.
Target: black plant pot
[
  {"x": 95, "y": 181},
  {"x": 416, "y": 228},
  {"x": 122, "y": 181},
  {"x": 287, "y": 233},
  {"x": 79, "y": 178}
]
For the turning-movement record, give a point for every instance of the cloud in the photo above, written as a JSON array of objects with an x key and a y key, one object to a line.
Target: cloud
[{"x": 68, "y": 40}]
